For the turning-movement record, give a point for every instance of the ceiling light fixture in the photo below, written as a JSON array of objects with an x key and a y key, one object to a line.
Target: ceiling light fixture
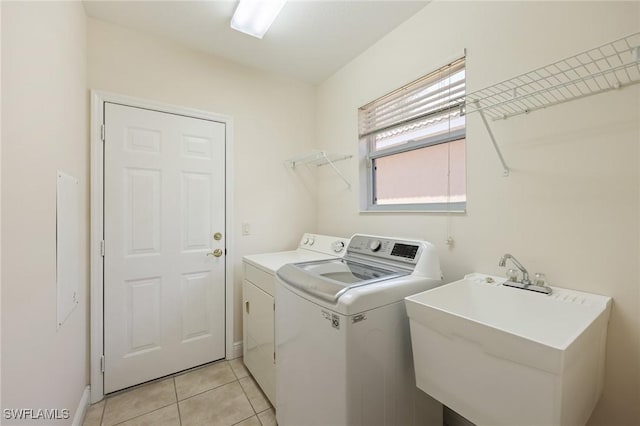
[{"x": 254, "y": 17}]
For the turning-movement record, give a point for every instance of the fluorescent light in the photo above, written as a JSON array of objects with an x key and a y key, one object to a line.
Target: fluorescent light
[{"x": 254, "y": 17}]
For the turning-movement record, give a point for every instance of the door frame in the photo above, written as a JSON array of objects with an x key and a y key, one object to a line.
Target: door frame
[{"x": 98, "y": 98}]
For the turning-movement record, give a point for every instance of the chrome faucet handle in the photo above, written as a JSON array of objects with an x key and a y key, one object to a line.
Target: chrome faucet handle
[
  {"x": 525, "y": 274},
  {"x": 540, "y": 279},
  {"x": 512, "y": 275}
]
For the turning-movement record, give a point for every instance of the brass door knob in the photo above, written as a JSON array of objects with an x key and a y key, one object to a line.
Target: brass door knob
[{"x": 216, "y": 253}]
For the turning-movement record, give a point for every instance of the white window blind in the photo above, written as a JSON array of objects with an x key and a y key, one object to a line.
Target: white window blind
[{"x": 427, "y": 107}]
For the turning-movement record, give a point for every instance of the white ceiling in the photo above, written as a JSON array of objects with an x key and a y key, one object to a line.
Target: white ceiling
[{"x": 310, "y": 39}]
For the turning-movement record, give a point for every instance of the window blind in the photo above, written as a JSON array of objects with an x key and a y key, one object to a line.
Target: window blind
[{"x": 420, "y": 107}]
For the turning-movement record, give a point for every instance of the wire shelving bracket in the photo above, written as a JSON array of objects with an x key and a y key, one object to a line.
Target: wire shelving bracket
[
  {"x": 320, "y": 158},
  {"x": 611, "y": 66}
]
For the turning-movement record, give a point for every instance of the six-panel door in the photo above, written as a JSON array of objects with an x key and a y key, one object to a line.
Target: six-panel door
[{"x": 164, "y": 291}]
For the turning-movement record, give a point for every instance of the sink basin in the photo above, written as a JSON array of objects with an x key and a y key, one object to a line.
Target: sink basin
[{"x": 504, "y": 356}]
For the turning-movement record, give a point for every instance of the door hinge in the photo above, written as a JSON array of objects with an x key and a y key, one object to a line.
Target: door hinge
[
  {"x": 102, "y": 131},
  {"x": 102, "y": 248},
  {"x": 274, "y": 356},
  {"x": 102, "y": 363}
]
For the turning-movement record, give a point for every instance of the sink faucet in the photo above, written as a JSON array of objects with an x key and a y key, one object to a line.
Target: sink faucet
[{"x": 525, "y": 274}]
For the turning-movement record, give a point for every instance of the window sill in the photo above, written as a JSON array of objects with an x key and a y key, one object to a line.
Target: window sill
[{"x": 401, "y": 210}]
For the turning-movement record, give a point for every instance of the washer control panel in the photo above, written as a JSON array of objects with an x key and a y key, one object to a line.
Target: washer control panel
[
  {"x": 337, "y": 246},
  {"x": 385, "y": 248}
]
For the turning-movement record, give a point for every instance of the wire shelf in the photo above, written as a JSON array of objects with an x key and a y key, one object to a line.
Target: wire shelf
[
  {"x": 608, "y": 67},
  {"x": 317, "y": 158},
  {"x": 320, "y": 158}
]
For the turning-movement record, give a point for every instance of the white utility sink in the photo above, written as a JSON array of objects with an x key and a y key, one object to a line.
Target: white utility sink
[{"x": 505, "y": 356}]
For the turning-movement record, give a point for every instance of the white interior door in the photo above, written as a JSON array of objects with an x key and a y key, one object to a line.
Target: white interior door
[{"x": 164, "y": 290}]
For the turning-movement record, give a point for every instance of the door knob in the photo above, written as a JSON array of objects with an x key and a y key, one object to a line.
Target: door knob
[{"x": 216, "y": 253}]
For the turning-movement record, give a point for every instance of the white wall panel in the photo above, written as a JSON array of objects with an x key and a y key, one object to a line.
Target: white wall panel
[{"x": 68, "y": 243}]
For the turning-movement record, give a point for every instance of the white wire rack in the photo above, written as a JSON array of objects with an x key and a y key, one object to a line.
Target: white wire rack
[
  {"x": 320, "y": 158},
  {"x": 608, "y": 67}
]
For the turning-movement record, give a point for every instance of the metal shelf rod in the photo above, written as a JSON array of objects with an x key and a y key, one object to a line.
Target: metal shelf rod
[
  {"x": 505, "y": 171},
  {"x": 335, "y": 169}
]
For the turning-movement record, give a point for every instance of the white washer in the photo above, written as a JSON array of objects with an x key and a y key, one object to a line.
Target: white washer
[
  {"x": 342, "y": 336},
  {"x": 258, "y": 289}
]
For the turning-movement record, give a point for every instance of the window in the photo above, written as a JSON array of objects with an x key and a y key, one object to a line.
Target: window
[{"x": 413, "y": 144}]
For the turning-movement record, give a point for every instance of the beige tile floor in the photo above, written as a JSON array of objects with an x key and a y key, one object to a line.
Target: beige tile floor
[{"x": 218, "y": 394}]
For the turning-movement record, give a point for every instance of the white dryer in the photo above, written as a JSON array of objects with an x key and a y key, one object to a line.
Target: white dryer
[
  {"x": 342, "y": 336},
  {"x": 258, "y": 289}
]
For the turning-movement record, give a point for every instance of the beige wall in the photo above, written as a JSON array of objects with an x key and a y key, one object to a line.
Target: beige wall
[
  {"x": 44, "y": 128},
  {"x": 273, "y": 120},
  {"x": 571, "y": 205}
]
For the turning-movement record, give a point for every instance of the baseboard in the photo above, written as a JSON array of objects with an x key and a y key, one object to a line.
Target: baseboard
[
  {"x": 237, "y": 350},
  {"x": 78, "y": 418}
]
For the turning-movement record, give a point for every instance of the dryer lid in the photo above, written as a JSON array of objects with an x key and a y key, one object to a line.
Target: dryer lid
[{"x": 330, "y": 279}]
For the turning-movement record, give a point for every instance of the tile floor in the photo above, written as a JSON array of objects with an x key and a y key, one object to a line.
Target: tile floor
[{"x": 222, "y": 393}]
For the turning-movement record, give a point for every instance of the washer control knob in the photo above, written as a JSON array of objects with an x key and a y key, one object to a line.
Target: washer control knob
[
  {"x": 311, "y": 241},
  {"x": 306, "y": 241},
  {"x": 375, "y": 245},
  {"x": 337, "y": 246}
]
